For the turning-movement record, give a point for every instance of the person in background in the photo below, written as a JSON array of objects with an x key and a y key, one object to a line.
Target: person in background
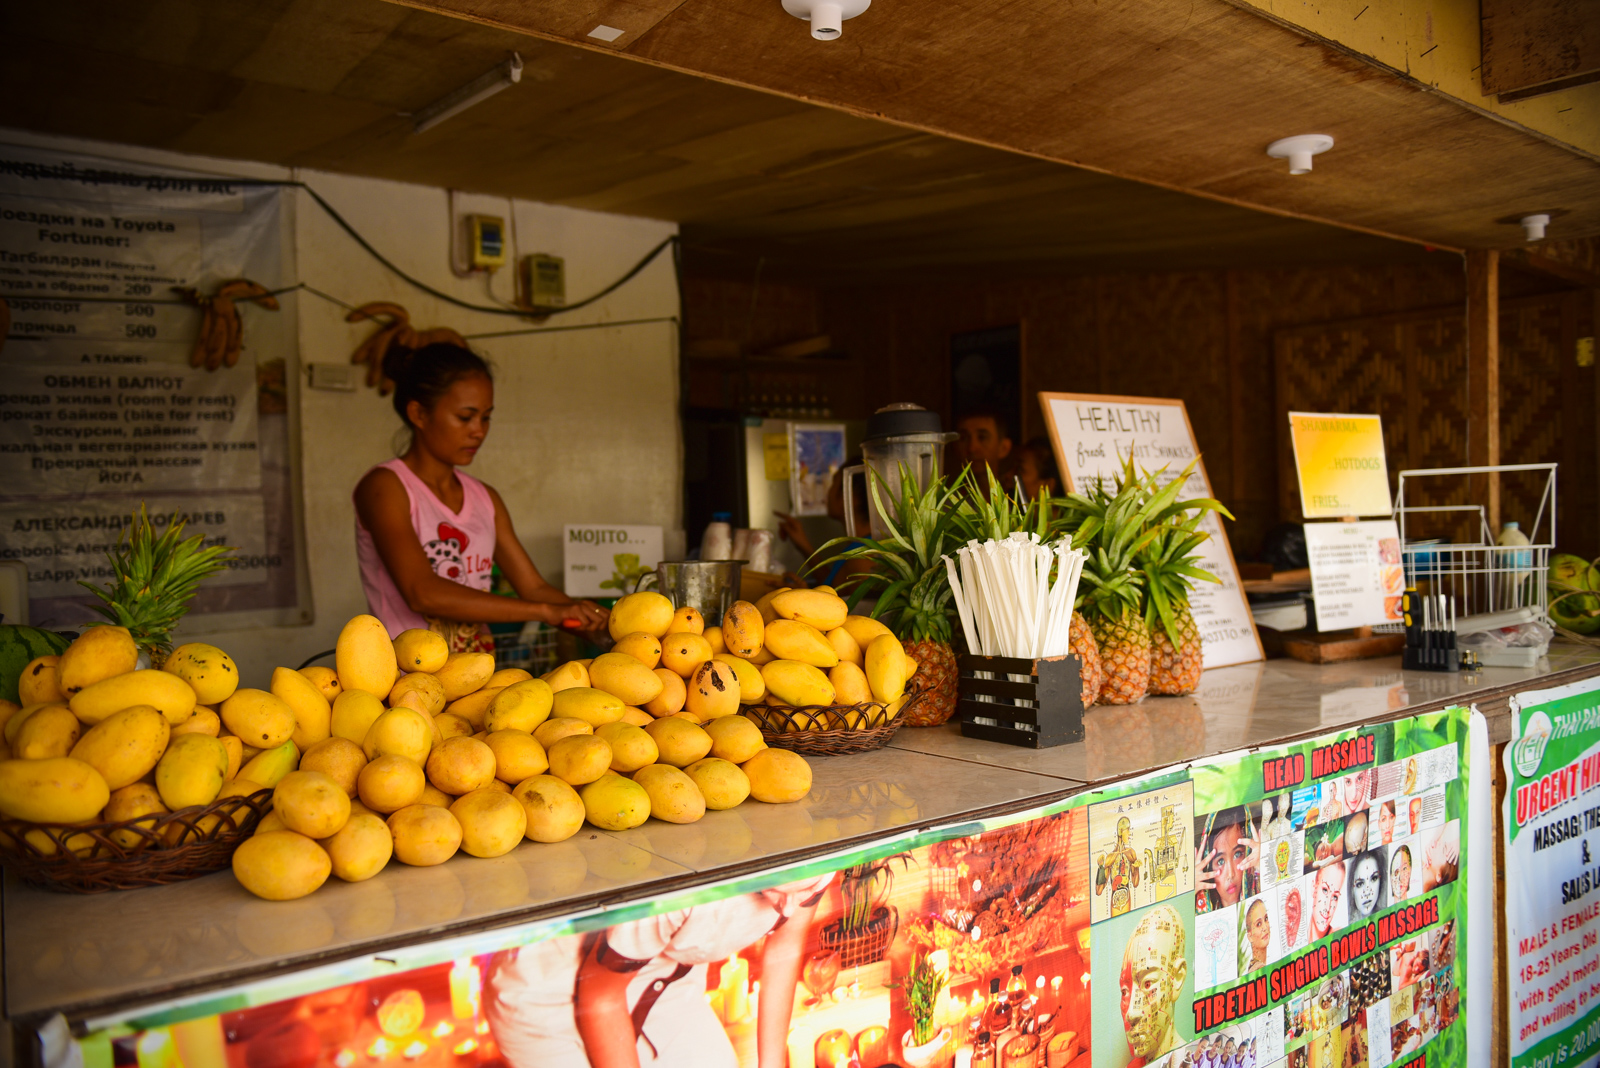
[
  {"x": 1036, "y": 469},
  {"x": 984, "y": 441},
  {"x": 428, "y": 535}
]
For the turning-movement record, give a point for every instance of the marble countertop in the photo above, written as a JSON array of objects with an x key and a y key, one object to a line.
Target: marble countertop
[{"x": 77, "y": 954}]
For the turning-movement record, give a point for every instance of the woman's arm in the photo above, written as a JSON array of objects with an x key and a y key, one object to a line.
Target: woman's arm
[
  {"x": 780, "y": 973},
  {"x": 524, "y": 577},
  {"x": 385, "y": 511},
  {"x": 600, "y": 1002}
]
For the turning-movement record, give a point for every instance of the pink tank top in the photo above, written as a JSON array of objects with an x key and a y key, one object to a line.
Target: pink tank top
[{"x": 459, "y": 545}]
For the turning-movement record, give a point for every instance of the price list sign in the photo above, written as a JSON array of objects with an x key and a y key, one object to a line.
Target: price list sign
[{"x": 99, "y": 408}]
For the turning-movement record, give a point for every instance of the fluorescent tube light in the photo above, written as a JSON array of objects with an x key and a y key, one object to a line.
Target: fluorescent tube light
[{"x": 479, "y": 89}]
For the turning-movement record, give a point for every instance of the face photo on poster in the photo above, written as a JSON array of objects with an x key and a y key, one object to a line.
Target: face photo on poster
[
  {"x": 1367, "y": 877},
  {"x": 1260, "y": 941},
  {"x": 1147, "y": 956},
  {"x": 1227, "y": 857},
  {"x": 1404, "y": 878},
  {"x": 1382, "y": 826},
  {"x": 1216, "y": 948},
  {"x": 1140, "y": 849},
  {"x": 1328, "y": 907},
  {"x": 1441, "y": 855}
]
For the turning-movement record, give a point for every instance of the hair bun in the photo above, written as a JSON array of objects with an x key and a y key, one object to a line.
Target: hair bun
[{"x": 397, "y": 362}]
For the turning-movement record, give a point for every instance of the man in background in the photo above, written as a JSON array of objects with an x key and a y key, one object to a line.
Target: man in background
[{"x": 984, "y": 441}]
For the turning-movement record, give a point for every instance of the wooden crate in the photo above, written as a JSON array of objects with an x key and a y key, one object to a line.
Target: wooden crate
[{"x": 1055, "y": 716}]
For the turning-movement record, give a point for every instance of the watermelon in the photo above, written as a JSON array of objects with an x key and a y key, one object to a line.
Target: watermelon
[{"x": 18, "y": 647}]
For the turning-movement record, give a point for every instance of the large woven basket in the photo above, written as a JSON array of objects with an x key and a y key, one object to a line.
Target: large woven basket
[
  {"x": 830, "y": 730},
  {"x": 147, "y": 851}
]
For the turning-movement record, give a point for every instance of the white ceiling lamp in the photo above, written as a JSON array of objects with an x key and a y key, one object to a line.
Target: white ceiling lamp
[
  {"x": 826, "y": 16},
  {"x": 1533, "y": 226},
  {"x": 1299, "y": 149},
  {"x": 481, "y": 88}
]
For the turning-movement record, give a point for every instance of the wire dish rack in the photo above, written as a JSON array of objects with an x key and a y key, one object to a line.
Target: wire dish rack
[
  {"x": 1485, "y": 579},
  {"x": 530, "y": 646}
]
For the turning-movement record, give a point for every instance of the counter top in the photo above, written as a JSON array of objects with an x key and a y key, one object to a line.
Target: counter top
[{"x": 81, "y": 954}]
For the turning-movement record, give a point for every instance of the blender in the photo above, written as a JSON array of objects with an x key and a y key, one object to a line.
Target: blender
[{"x": 901, "y": 439}]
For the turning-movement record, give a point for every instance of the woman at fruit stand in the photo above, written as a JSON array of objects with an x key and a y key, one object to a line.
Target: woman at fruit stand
[{"x": 429, "y": 535}]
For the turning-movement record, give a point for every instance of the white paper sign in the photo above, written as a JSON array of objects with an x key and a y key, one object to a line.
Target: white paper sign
[
  {"x": 1095, "y": 435},
  {"x": 605, "y": 560},
  {"x": 1356, "y": 576}
]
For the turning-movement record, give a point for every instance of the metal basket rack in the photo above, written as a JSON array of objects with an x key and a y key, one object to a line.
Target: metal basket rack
[
  {"x": 532, "y": 647},
  {"x": 1484, "y": 578}
]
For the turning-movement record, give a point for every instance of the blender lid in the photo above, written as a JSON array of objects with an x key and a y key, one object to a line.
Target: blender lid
[{"x": 894, "y": 420}]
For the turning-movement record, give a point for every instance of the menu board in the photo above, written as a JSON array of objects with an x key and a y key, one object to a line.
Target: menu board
[
  {"x": 1095, "y": 435},
  {"x": 100, "y": 411},
  {"x": 1357, "y": 579},
  {"x": 1341, "y": 463},
  {"x": 607, "y": 560}
]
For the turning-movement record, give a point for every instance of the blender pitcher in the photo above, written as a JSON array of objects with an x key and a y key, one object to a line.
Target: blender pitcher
[{"x": 900, "y": 438}]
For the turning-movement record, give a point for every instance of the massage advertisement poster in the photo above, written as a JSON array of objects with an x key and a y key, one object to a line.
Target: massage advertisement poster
[
  {"x": 1552, "y": 876},
  {"x": 1295, "y": 907}
]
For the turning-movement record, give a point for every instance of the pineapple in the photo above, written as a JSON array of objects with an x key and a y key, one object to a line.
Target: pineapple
[
  {"x": 1169, "y": 564},
  {"x": 1080, "y": 640},
  {"x": 1175, "y": 668},
  {"x": 1124, "y": 640},
  {"x": 156, "y": 578}
]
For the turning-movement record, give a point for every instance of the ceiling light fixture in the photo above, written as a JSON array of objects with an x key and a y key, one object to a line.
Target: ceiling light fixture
[
  {"x": 503, "y": 76},
  {"x": 1533, "y": 226},
  {"x": 826, "y": 16},
  {"x": 1299, "y": 149}
]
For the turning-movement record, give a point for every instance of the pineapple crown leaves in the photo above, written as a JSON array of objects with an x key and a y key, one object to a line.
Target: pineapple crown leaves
[
  {"x": 908, "y": 575},
  {"x": 1001, "y": 513},
  {"x": 156, "y": 577}
]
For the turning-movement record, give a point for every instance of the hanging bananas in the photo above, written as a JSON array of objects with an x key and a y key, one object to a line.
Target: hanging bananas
[
  {"x": 221, "y": 336},
  {"x": 394, "y": 329}
]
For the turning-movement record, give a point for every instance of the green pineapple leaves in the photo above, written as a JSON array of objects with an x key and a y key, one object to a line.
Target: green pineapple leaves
[{"x": 156, "y": 578}]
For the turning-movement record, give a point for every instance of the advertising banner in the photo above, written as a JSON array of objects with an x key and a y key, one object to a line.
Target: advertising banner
[
  {"x": 1302, "y": 906},
  {"x": 1552, "y": 876}
]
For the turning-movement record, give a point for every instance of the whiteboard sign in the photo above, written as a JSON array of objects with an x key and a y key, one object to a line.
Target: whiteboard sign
[
  {"x": 1093, "y": 438},
  {"x": 606, "y": 560}
]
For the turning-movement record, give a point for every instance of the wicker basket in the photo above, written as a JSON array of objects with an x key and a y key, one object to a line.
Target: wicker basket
[
  {"x": 147, "y": 851},
  {"x": 826, "y": 730}
]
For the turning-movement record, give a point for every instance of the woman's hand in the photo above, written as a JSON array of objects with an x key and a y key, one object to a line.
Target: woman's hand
[
  {"x": 789, "y": 529},
  {"x": 1252, "y": 854},
  {"x": 588, "y": 615},
  {"x": 1205, "y": 876}
]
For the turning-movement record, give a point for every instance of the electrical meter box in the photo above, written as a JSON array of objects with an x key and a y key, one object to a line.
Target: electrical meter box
[
  {"x": 544, "y": 281},
  {"x": 486, "y": 242}
]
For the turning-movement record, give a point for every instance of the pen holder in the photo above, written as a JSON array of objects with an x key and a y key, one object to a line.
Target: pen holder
[
  {"x": 1426, "y": 649},
  {"x": 1043, "y": 711}
]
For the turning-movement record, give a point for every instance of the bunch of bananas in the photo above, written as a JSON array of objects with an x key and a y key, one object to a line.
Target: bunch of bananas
[
  {"x": 394, "y": 329},
  {"x": 221, "y": 334}
]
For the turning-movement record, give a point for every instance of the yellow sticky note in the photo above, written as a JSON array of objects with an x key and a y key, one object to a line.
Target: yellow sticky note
[
  {"x": 1341, "y": 464},
  {"x": 775, "y": 447}
]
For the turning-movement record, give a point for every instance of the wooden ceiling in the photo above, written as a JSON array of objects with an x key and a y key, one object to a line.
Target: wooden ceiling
[{"x": 328, "y": 83}]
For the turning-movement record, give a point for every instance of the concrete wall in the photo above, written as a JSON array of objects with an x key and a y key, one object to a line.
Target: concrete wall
[{"x": 586, "y": 421}]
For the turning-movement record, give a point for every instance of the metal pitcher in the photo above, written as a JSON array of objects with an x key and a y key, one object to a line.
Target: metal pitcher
[{"x": 708, "y": 586}]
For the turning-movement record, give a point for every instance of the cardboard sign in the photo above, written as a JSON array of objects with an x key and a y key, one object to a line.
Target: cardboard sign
[
  {"x": 1341, "y": 463},
  {"x": 1357, "y": 579},
  {"x": 602, "y": 560},
  {"x": 1093, "y": 437}
]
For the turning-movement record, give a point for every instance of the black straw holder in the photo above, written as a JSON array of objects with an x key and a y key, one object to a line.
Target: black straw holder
[{"x": 1054, "y": 688}]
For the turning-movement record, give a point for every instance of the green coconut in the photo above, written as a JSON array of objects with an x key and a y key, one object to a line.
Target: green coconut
[{"x": 1574, "y": 593}]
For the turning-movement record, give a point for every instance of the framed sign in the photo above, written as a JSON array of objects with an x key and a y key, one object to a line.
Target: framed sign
[
  {"x": 1093, "y": 437},
  {"x": 1341, "y": 465},
  {"x": 606, "y": 560}
]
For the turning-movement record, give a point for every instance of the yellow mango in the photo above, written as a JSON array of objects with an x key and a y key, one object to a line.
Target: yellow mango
[
  {"x": 553, "y": 808},
  {"x": 40, "y": 683},
  {"x": 713, "y": 637},
  {"x": 400, "y": 732},
  {"x": 325, "y": 679},
  {"x": 886, "y": 667},
  {"x": 764, "y": 604},
  {"x": 521, "y": 706},
  {"x": 553, "y": 730},
  {"x": 672, "y": 696},
  {"x": 787, "y": 639},
  {"x": 743, "y": 629},
  {"x": 579, "y": 758},
  {"x": 625, "y": 678},
  {"x": 679, "y": 742},
  {"x": 645, "y": 648},
  {"x": 15, "y": 721},
  {"x": 130, "y": 803},
  {"x": 168, "y": 694},
  {"x": 752, "y": 687},
  {"x": 390, "y": 783},
  {"x": 364, "y": 657},
  {"x": 864, "y": 629},
  {"x": 507, "y": 677},
  {"x": 492, "y": 823},
  {"x": 311, "y": 803},
  {"x": 849, "y": 684},
  {"x": 191, "y": 771},
  {"x": 354, "y": 713},
  {"x": 821, "y": 609},
  {"x": 644, "y": 612},
  {"x": 517, "y": 755},
  {"x": 762, "y": 657},
  {"x": 631, "y": 747},
  {"x": 204, "y": 721},
  {"x": 797, "y": 684},
  {"x": 339, "y": 759},
  {"x": 269, "y": 766},
  {"x": 687, "y": 620},
  {"x": 461, "y": 765},
  {"x": 259, "y": 718},
  {"x": 429, "y": 692},
  {"x": 846, "y": 647},
  {"x": 734, "y": 738},
  {"x": 51, "y": 731},
  {"x": 208, "y": 670},
  {"x": 572, "y": 673},
  {"x": 447, "y": 725},
  {"x": 425, "y": 835},
  {"x": 674, "y": 798},
  {"x": 235, "y": 750},
  {"x": 281, "y": 865},
  {"x": 100, "y": 652},
  {"x": 778, "y": 776},
  {"x": 475, "y": 706},
  {"x": 465, "y": 673},
  {"x": 614, "y": 803},
  {"x": 714, "y": 691},
  {"x": 420, "y": 650},
  {"x": 638, "y": 717},
  {"x": 313, "y": 716},
  {"x": 124, "y": 747},
  {"x": 269, "y": 823},
  {"x": 683, "y": 653},
  {"x": 594, "y": 707},
  {"x": 432, "y": 795},
  {"x": 53, "y": 790},
  {"x": 361, "y": 848}
]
